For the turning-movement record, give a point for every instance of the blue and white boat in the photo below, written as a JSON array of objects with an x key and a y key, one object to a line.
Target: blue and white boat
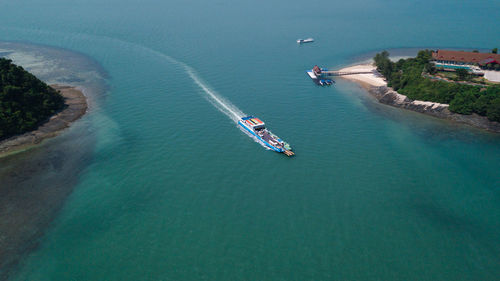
[
  {"x": 258, "y": 129},
  {"x": 325, "y": 82}
]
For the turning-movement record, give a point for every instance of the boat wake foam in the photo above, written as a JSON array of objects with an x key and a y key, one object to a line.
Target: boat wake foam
[
  {"x": 224, "y": 106},
  {"x": 219, "y": 102}
]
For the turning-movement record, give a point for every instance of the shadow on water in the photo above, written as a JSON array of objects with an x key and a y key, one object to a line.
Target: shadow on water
[
  {"x": 457, "y": 223},
  {"x": 35, "y": 183}
]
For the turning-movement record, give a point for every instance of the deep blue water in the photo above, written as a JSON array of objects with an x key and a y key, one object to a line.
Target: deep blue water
[{"x": 170, "y": 189}]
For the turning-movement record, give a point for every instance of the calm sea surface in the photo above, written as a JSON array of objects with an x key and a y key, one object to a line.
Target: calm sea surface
[{"x": 164, "y": 186}]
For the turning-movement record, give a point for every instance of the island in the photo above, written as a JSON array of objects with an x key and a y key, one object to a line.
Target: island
[
  {"x": 31, "y": 110},
  {"x": 454, "y": 85}
]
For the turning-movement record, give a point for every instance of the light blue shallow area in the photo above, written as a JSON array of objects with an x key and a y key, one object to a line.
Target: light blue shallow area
[{"x": 174, "y": 190}]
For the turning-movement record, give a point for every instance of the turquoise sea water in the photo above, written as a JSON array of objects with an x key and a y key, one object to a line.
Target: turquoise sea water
[{"x": 166, "y": 187}]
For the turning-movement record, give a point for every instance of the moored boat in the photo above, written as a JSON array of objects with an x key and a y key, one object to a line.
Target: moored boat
[
  {"x": 325, "y": 82},
  {"x": 257, "y": 128}
]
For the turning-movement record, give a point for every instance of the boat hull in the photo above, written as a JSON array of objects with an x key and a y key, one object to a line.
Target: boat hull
[
  {"x": 308, "y": 40},
  {"x": 259, "y": 138}
]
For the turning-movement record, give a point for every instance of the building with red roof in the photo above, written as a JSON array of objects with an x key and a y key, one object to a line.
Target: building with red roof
[{"x": 459, "y": 57}]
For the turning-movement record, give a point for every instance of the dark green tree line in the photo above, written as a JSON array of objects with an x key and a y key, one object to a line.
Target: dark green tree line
[{"x": 25, "y": 101}]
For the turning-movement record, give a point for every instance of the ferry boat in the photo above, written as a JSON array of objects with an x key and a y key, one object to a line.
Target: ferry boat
[
  {"x": 308, "y": 40},
  {"x": 258, "y": 129}
]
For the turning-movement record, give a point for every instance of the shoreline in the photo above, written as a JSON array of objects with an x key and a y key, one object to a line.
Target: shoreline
[
  {"x": 76, "y": 107},
  {"x": 377, "y": 87}
]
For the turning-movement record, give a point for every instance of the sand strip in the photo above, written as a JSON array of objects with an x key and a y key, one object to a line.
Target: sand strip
[
  {"x": 373, "y": 79},
  {"x": 76, "y": 108}
]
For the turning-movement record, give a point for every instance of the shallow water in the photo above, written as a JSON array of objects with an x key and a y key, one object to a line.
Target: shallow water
[
  {"x": 168, "y": 188},
  {"x": 36, "y": 183}
]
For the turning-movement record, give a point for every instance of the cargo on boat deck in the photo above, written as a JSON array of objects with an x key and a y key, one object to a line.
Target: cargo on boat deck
[{"x": 257, "y": 128}]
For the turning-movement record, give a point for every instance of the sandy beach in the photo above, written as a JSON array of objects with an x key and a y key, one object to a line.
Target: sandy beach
[
  {"x": 366, "y": 80},
  {"x": 76, "y": 106}
]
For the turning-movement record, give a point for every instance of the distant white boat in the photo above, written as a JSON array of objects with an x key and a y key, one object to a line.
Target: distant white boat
[{"x": 308, "y": 40}]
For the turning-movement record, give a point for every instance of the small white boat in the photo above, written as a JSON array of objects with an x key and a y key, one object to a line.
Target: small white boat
[
  {"x": 312, "y": 75},
  {"x": 308, "y": 40}
]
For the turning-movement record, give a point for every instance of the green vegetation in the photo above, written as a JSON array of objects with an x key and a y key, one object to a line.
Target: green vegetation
[
  {"x": 462, "y": 74},
  {"x": 405, "y": 76},
  {"x": 494, "y": 51},
  {"x": 25, "y": 101},
  {"x": 492, "y": 66}
]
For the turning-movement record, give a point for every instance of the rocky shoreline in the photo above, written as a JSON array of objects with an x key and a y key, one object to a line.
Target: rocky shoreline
[
  {"x": 390, "y": 97},
  {"x": 76, "y": 106},
  {"x": 377, "y": 87}
]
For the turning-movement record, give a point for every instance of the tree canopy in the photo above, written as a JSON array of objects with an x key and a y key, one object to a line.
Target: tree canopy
[
  {"x": 405, "y": 76},
  {"x": 25, "y": 101}
]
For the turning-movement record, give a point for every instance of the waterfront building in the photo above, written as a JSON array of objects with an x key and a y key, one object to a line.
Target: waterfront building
[{"x": 464, "y": 58}]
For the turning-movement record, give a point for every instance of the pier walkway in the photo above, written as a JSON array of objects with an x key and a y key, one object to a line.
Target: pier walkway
[{"x": 342, "y": 73}]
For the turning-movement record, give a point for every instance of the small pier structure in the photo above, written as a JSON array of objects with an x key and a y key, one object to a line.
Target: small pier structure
[
  {"x": 342, "y": 73},
  {"x": 323, "y": 72},
  {"x": 319, "y": 75}
]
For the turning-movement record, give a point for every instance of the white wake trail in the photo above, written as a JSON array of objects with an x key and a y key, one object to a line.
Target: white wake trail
[
  {"x": 229, "y": 109},
  {"x": 224, "y": 106}
]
